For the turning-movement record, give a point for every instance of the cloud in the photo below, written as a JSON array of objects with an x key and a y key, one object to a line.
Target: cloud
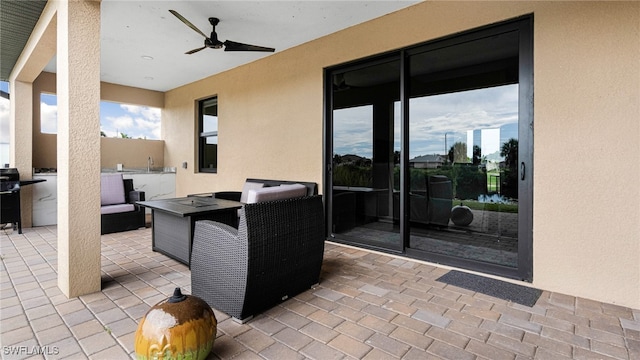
[
  {"x": 134, "y": 121},
  {"x": 4, "y": 120},
  {"x": 121, "y": 122},
  {"x": 353, "y": 131},
  {"x": 48, "y": 118},
  {"x": 149, "y": 113},
  {"x": 152, "y": 125},
  {"x": 431, "y": 119}
]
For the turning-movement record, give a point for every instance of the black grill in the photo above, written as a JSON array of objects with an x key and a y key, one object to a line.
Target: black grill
[
  {"x": 10, "y": 197},
  {"x": 10, "y": 184}
]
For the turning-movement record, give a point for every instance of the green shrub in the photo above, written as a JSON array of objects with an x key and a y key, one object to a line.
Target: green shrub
[{"x": 352, "y": 175}]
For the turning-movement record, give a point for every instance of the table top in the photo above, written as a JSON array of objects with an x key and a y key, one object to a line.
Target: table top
[
  {"x": 188, "y": 206},
  {"x": 358, "y": 189},
  {"x": 31, "y": 181}
]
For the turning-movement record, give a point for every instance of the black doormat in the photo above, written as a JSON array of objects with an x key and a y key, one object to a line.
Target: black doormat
[{"x": 503, "y": 290}]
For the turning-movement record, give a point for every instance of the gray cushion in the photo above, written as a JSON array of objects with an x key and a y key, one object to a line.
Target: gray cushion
[
  {"x": 111, "y": 189},
  {"x": 247, "y": 187},
  {"x": 118, "y": 208},
  {"x": 285, "y": 191}
]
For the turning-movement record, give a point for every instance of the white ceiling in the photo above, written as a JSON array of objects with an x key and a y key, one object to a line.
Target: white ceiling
[{"x": 133, "y": 30}]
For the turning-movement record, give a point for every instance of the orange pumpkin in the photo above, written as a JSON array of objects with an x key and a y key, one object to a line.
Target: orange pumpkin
[{"x": 180, "y": 327}]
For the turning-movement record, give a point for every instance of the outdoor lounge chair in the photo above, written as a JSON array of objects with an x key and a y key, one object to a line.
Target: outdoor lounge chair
[
  {"x": 118, "y": 208},
  {"x": 431, "y": 206},
  {"x": 275, "y": 253}
]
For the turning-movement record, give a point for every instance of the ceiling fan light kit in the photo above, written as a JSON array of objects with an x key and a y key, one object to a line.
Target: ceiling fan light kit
[{"x": 213, "y": 42}]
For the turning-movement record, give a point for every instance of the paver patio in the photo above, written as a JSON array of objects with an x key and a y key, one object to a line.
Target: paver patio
[{"x": 366, "y": 306}]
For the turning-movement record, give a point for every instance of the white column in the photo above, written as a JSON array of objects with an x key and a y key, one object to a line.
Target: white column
[{"x": 78, "y": 89}]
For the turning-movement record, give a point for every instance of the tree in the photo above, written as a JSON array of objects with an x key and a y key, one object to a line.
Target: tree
[
  {"x": 477, "y": 155},
  {"x": 396, "y": 157},
  {"x": 510, "y": 152},
  {"x": 337, "y": 159},
  {"x": 458, "y": 153},
  {"x": 509, "y": 176}
]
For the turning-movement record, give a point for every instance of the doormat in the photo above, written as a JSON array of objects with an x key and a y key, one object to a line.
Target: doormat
[{"x": 500, "y": 289}]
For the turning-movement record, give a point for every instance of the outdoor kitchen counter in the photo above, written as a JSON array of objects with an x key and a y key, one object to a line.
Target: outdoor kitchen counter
[{"x": 155, "y": 184}]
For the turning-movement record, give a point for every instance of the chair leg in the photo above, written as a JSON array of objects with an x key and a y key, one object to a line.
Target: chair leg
[{"x": 242, "y": 321}]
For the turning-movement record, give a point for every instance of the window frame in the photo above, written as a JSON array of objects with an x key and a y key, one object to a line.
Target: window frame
[{"x": 203, "y": 136}]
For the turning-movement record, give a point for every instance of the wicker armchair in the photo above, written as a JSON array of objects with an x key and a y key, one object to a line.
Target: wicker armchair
[
  {"x": 275, "y": 253},
  {"x": 126, "y": 215}
]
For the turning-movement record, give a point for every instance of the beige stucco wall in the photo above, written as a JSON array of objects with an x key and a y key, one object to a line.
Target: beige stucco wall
[
  {"x": 133, "y": 153},
  {"x": 586, "y": 233},
  {"x": 587, "y": 153}
]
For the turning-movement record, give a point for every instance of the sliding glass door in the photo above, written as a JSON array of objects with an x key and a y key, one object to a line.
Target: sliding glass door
[{"x": 430, "y": 150}]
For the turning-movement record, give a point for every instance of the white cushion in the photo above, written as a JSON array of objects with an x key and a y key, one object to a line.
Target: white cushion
[
  {"x": 285, "y": 191},
  {"x": 111, "y": 189},
  {"x": 247, "y": 187},
  {"x": 118, "y": 208}
]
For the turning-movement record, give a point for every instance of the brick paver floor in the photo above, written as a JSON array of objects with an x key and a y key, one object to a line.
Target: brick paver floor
[{"x": 366, "y": 306}]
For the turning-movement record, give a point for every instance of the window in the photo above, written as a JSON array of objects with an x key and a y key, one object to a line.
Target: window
[
  {"x": 48, "y": 113},
  {"x": 117, "y": 120},
  {"x": 208, "y": 135}
]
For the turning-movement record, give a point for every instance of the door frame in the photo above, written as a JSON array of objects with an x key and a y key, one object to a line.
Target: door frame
[{"x": 524, "y": 270}]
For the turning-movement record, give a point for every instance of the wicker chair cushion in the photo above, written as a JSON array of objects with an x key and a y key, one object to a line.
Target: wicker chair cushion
[
  {"x": 117, "y": 208},
  {"x": 247, "y": 187},
  {"x": 111, "y": 189},
  {"x": 284, "y": 191}
]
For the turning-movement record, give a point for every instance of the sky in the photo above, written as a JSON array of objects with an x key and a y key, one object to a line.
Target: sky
[
  {"x": 138, "y": 122},
  {"x": 491, "y": 112}
]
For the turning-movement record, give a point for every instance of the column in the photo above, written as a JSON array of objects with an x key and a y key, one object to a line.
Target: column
[
  {"x": 21, "y": 128},
  {"x": 78, "y": 89}
]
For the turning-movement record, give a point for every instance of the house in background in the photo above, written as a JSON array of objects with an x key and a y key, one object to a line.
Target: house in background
[
  {"x": 427, "y": 161},
  {"x": 567, "y": 72}
]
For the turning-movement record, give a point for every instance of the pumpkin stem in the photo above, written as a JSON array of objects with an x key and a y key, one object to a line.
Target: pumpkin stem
[{"x": 177, "y": 296}]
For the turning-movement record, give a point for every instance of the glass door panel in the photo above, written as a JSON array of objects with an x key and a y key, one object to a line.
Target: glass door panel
[
  {"x": 463, "y": 151},
  {"x": 363, "y": 163}
]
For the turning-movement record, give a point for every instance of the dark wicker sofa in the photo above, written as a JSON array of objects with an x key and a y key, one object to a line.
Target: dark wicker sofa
[{"x": 275, "y": 253}]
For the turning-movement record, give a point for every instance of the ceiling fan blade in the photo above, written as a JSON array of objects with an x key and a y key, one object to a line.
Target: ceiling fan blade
[
  {"x": 236, "y": 46},
  {"x": 195, "y": 50},
  {"x": 189, "y": 24}
]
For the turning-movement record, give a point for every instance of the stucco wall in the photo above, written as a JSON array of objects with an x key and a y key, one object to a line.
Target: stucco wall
[
  {"x": 131, "y": 153},
  {"x": 586, "y": 136}
]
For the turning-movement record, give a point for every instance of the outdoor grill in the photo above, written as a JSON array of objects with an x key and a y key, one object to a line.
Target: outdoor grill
[{"x": 10, "y": 197}]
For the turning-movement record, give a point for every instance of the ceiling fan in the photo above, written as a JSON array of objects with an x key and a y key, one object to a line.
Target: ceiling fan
[{"x": 213, "y": 42}]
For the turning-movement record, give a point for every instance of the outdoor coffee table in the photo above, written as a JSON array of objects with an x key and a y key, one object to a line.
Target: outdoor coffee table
[{"x": 173, "y": 222}]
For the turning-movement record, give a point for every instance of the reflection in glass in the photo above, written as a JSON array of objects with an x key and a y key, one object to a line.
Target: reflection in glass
[
  {"x": 209, "y": 134},
  {"x": 363, "y": 154},
  {"x": 464, "y": 200}
]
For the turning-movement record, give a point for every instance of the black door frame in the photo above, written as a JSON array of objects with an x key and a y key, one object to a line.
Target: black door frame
[{"x": 524, "y": 26}]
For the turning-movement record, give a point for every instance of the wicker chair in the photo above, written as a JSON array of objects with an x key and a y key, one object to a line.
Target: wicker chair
[
  {"x": 275, "y": 253},
  {"x": 132, "y": 217}
]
